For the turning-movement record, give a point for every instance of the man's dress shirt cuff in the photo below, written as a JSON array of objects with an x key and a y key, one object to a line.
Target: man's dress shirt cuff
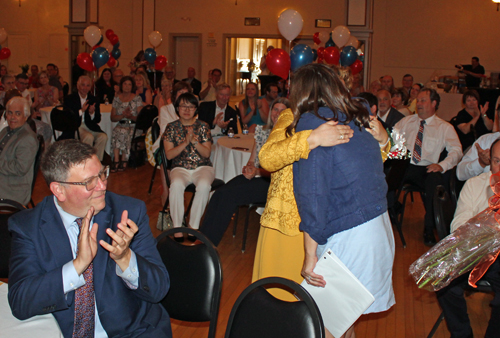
[
  {"x": 71, "y": 280},
  {"x": 131, "y": 275}
]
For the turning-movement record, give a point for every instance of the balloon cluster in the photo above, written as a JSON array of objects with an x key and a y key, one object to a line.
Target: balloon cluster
[
  {"x": 4, "y": 52},
  {"x": 100, "y": 55},
  {"x": 340, "y": 49},
  {"x": 160, "y": 61}
]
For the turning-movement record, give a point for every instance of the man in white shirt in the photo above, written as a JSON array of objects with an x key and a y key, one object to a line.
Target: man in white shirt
[
  {"x": 22, "y": 82},
  {"x": 473, "y": 199},
  {"x": 218, "y": 114},
  {"x": 477, "y": 159},
  {"x": 208, "y": 91},
  {"x": 427, "y": 136}
]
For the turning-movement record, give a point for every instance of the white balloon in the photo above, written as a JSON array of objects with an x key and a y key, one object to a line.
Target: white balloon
[
  {"x": 3, "y": 35},
  {"x": 340, "y": 35},
  {"x": 92, "y": 35},
  {"x": 353, "y": 42},
  {"x": 155, "y": 38},
  {"x": 324, "y": 36},
  {"x": 290, "y": 24}
]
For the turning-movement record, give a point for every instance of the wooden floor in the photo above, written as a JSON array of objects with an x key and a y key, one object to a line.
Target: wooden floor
[{"x": 413, "y": 315}]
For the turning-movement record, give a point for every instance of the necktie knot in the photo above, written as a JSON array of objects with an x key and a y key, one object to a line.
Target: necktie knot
[{"x": 79, "y": 222}]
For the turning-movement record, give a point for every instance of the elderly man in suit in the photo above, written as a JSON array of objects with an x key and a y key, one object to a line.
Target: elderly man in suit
[
  {"x": 85, "y": 106},
  {"x": 195, "y": 83},
  {"x": 218, "y": 114},
  {"x": 386, "y": 113},
  {"x": 87, "y": 255},
  {"x": 18, "y": 148}
]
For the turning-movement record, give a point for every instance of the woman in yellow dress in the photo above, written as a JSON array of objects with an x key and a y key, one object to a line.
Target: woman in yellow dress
[{"x": 280, "y": 246}]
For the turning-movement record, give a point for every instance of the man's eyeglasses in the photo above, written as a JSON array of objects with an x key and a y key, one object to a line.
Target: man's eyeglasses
[
  {"x": 91, "y": 182},
  {"x": 187, "y": 108}
]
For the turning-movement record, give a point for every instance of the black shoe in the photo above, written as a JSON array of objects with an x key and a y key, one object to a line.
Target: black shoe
[
  {"x": 179, "y": 239},
  {"x": 429, "y": 239},
  {"x": 191, "y": 238}
]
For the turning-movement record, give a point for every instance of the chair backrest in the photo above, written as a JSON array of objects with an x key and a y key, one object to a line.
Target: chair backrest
[
  {"x": 145, "y": 117},
  {"x": 165, "y": 164},
  {"x": 7, "y": 209},
  {"x": 395, "y": 171},
  {"x": 444, "y": 209},
  {"x": 155, "y": 130},
  {"x": 257, "y": 313},
  {"x": 62, "y": 119},
  {"x": 195, "y": 278},
  {"x": 38, "y": 157}
]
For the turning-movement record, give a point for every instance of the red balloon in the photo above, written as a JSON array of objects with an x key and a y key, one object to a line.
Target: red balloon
[
  {"x": 85, "y": 61},
  {"x": 319, "y": 60},
  {"x": 113, "y": 39},
  {"x": 111, "y": 62},
  {"x": 356, "y": 67},
  {"x": 278, "y": 62},
  {"x": 160, "y": 62},
  {"x": 321, "y": 52},
  {"x": 332, "y": 55},
  {"x": 316, "y": 38},
  {"x": 109, "y": 32},
  {"x": 4, "y": 53}
]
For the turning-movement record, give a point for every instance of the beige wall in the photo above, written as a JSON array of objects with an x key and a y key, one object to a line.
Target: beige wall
[{"x": 427, "y": 37}]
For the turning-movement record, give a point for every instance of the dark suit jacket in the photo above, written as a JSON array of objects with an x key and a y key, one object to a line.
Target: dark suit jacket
[
  {"x": 16, "y": 164},
  {"x": 40, "y": 248},
  {"x": 195, "y": 84},
  {"x": 393, "y": 117},
  {"x": 73, "y": 102},
  {"x": 206, "y": 112}
]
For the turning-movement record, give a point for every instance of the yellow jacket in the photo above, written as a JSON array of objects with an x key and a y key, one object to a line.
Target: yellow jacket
[{"x": 277, "y": 156}]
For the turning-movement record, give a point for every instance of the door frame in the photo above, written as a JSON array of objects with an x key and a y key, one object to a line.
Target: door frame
[{"x": 172, "y": 48}]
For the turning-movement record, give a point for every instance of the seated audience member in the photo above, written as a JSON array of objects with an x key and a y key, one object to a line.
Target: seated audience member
[
  {"x": 126, "y": 107},
  {"x": 117, "y": 77},
  {"x": 412, "y": 101},
  {"x": 18, "y": 148},
  {"x": 188, "y": 144},
  {"x": 207, "y": 92},
  {"x": 250, "y": 187},
  {"x": 193, "y": 82},
  {"x": 164, "y": 96},
  {"x": 86, "y": 106},
  {"x": 427, "y": 136},
  {"x": 56, "y": 244},
  {"x": 386, "y": 114},
  {"x": 105, "y": 86},
  {"x": 22, "y": 82},
  {"x": 251, "y": 108},
  {"x": 472, "y": 121},
  {"x": 3, "y": 72},
  {"x": 375, "y": 87},
  {"x": 169, "y": 74},
  {"x": 357, "y": 85},
  {"x": 407, "y": 83},
  {"x": 64, "y": 84},
  {"x": 218, "y": 114},
  {"x": 387, "y": 83},
  {"x": 371, "y": 100},
  {"x": 8, "y": 83},
  {"x": 473, "y": 199},
  {"x": 271, "y": 93},
  {"x": 33, "y": 79},
  {"x": 282, "y": 88},
  {"x": 477, "y": 159},
  {"x": 142, "y": 84},
  {"x": 54, "y": 81},
  {"x": 398, "y": 98},
  {"x": 45, "y": 95}
]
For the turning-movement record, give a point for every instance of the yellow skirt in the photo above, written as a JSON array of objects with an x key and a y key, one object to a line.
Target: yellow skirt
[{"x": 278, "y": 255}]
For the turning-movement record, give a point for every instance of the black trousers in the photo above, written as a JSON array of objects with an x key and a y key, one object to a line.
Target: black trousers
[
  {"x": 418, "y": 176},
  {"x": 239, "y": 191},
  {"x": 454, "y": 306}
]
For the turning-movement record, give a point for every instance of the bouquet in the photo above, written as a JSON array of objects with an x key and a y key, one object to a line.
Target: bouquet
[
  {"x": 473, "y": 246},
  {"x": 398, "y": 145}
]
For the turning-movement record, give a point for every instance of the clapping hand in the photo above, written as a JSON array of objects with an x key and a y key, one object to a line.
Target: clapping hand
[
  {"x": 377, "y": 130},
  {"x": 483, "y": 156},
  {"x": 249, "y": 171},
  {"x": 87, "y": 244},
  {"x": 189, "y": 135}
]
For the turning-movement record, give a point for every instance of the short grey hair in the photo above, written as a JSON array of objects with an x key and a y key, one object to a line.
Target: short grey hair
[
  {"x": 21, "y": 100},
  {"x": 63, "y": 155},
  {"x": 84, "y": 77},
  {"x": 222, "y": 86},
  {"x": 6, "y": 77}
]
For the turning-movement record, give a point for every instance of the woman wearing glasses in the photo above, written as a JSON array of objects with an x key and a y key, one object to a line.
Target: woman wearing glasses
[{"x": 188, "y": 144}]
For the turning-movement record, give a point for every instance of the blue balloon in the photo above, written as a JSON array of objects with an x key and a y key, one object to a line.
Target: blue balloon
[
  {"x": 301, "y": 55},
  {"x": 100, "y": 40},
  {"x": 117, "y": 45},
  {"x": 348, "y": 56},
  {"x": 116, "y": 53},
  {"x": 100, "y": 56},
  {"x": 330, "y": 42},
  {"x": 150, "y": 55},
  {"x": 315, "y": 53}
]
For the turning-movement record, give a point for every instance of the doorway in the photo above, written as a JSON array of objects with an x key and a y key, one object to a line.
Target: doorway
[{"x": 185, "y": 51}]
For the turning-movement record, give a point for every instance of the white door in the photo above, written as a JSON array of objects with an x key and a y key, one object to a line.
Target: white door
[{"x": 187, "y": 54}]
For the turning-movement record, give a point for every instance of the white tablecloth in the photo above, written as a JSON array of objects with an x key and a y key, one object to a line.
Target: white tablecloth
[
  {"x": 44, "y": 326},
  {"x": 229, "y": 162}
]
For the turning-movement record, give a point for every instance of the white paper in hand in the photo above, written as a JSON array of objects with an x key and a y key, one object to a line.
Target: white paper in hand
[{"x": 343, "y": 300}]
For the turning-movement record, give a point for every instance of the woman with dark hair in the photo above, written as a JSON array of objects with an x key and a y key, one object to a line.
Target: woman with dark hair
[
  {"x": 251, "y": 108},
  {"x": 412, "y": 100},
  {"x": 350, "y": 177},
  {"x": 188, "y": 143},
  {"x": 399, "y": 97},
  {"x": 250, "y": 187},
  {"x": 472, "y": 121},
  {"x": 105, "y": 86},
  {"x": 126, "y": 107}
]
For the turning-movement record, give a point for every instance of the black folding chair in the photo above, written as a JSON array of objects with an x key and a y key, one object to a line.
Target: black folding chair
[
  {"x": 257, "y": 313},
  {"x": 41, "y": 148},
  {"x": 63, "y": 120},
  {"x": 155, "y": 133},
  {"x": 247, "y": 217},
  {"x": 195, "y": 278},
  {"x": 7, "y": 209},
  {"x": 138, "y": 144}
]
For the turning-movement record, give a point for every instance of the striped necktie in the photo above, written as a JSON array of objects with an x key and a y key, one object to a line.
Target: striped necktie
[
  {"x": 417, "y": 149},
  {"x": 84, "y": 302}
]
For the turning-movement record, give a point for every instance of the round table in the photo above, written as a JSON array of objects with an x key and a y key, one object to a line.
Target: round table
[{"x": 231, "y": 155}]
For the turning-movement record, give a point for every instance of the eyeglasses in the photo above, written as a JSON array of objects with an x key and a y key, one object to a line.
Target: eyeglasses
[
  {"x": 187, "y": 108},
  {"x": 91, "y": 182}
]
